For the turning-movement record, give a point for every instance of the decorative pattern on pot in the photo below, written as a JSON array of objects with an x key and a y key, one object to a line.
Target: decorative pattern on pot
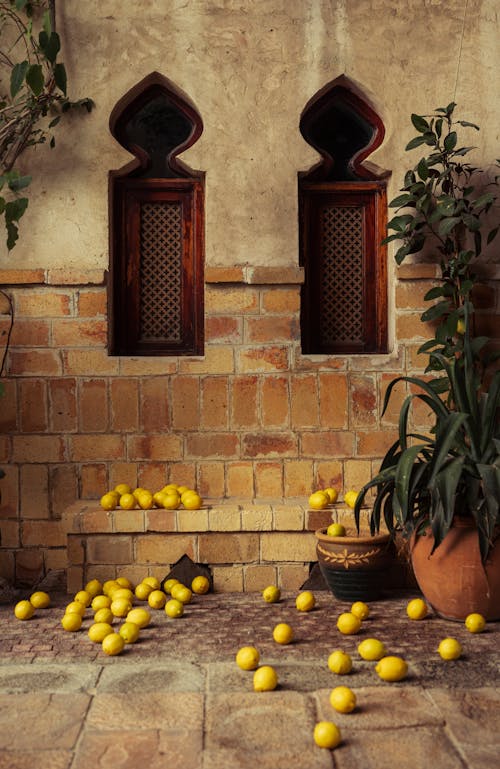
[{"x": 345, "y": 558}]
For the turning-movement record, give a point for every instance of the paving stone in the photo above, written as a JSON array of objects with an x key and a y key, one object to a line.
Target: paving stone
[
  {"x": 36, "y": 759},
  {"x": 130, "y": 749},
  {"x": 41, "y": 720},
  {"x": 146, "y": 710},
  {"x": 271, "y": 730},
  {"x": 49, "y": 677},
  {"x": 173, "y": 677},
  {"x": 472, "y": 715}
]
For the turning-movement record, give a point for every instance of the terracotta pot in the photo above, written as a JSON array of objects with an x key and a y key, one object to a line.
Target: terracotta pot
[
  {"x": 453, "y": 580},
  {"x": 355, "y": 568}
]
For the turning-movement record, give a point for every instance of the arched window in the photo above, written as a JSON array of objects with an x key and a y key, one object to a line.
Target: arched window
[
  {"x": 156, "y": 226},
  {"x": 343, "y": 216}
]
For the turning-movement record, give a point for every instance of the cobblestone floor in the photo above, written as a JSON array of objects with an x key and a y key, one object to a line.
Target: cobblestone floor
[{"x": 177, "y": 699}]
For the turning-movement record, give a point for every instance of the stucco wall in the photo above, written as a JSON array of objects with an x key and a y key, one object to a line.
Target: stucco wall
[{"x": 250, "y": 66}]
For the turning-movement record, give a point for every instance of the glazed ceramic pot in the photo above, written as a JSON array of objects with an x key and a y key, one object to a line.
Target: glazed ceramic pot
[
  {"x": 355, "y": 568},
  {"x": 453, "y": 579}
]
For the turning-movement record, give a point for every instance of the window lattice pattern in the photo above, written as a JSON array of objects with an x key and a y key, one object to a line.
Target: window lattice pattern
[
  {"x": 161, "y": 271},
  {"x": 342, "y": 274}
]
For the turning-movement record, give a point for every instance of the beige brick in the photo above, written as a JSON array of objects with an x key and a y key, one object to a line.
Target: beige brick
[
  {"x": 43, "y": 303},
  {"x": 109, "y": 548},
  {"x": 268, "y": 480},
  {"x": 9, "y": 412},
  {"x": 84, "y": 448},
  {"x": 304, "y": 401},
  {"x": 270, "y": 445},
  {"x": 145, "y": 366},
  {"x": 222, "y": 300},
  {"x": 123, "y": 472},
  {"x": 244, "y": 402},
  {"x": 218, "y": 359},
  {"x": 363, "y": 401},
  {"x": 279, "y": 275},
  {"x": 165, "y": 549},
  {"x": 334, "y": 400},
  {"x": 166, "y": 447},
  {"x": 30, "y": 332},
  {"x": 292, "y": 576},
  {"x": 152, "y": 476},
  {"x": 228, "y": 548},
  {"x": 96, "y": 521},
  {"x": 319, "y": 519},
  {"x": 275, "y": 401},
  {"x": 34, "y": 363},
  {"x": 43, "y": 533},
  {"x": 182, "y": 473},
  {"x": 258, "y": 576},
  {"x": 129, "y": 520},
  {"x": 75, "y": 579},
  {"x": 9, "y": 501},
  {"x": 256, "y": 518},
  {"x": 10, "y": 533},
  {"x": 357, "y": 472},
  {"x": 15, "y": 277},
  {"x": 34, "y": 486},
  {"x": 93, "y": 478},
  {"x": 291, "y": 546},
  {"x": 409, "y": 326},
  {"x": 417, "y": 271},
  {"x": 327, "y": 443},
  {"x": 214, "y": 403},
  {"x": 211, "y": 481},
  {"x": 102, "y": 573},
  {"x": 281, "y": 300},
  {"x": 28, "y": 565},
  {"x": 62, "y": 405},
  {"x": 240, "y": 480},
  {"x": 267, "y": 328},
  {"x": 260, "y": 359},
  {"x": 299, "y": 478},
  {"x": 93, "y": 415},
  {"x": 222, "y": 274},
  {"x": 224, "y": 518},
  {"x": 212, "y": 445},
  {"x": 56, "y": 559},
  {"x": 63, "y": 277},
  {"x": 75, "y": 549},
  {"x": 124, "y": 404},
  {"x": 91, "y": 302},
  {"x": 79, "y": 362},
  {"x": 330, "y": 474},
  {"x": 192, "y": 520},
  {"x": 228, "y": 579},
  {"x": 161, "y": 520},
  {"x": 154, "y": 403},
  {"x": 288, "y": 518},
  {"x": 79, "y": 333},
  {"x": 375, "y": 443},
  {"x": 220, "y": 328},
  {"x": 185, "y": 403},
  {"x": 38, "y": 448}
]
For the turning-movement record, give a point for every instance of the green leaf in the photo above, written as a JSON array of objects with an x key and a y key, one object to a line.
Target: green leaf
[
  {"x": 34, "y": 78},
  {"x": 19, "y": 183},
  {"x": 420, "y": 123},
  {"x": 450, "y": 141},
  {"x": 417, "y": 141},
  {"x": 60, "y": 77},
  {"x": 492, "y": 234},
  {"x": 12, "y": 235},
  {"x": 436, "y": 311},
  {"x": 433, "y": 293},
  {"x": 50, "y": 45},
  {"x": 448, "y": 224},
  {"x": 423, "y": 170},
  {"x": 401, "y": 200},
  {"x": 47, "y": 26},
  {"x": 20, "y": 4},
  {"x": 17, "y": 77},
  {"x": 466, "y": 124},
  {"x": 483, "y": 200}
]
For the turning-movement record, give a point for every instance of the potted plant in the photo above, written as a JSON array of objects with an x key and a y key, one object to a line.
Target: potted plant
[{"x": 442, "y": 489}]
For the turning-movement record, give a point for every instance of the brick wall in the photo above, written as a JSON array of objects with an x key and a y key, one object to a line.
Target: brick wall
[{"x": 251, "y": 419}]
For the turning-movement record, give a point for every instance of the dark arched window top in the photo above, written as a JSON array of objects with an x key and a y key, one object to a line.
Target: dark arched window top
[
  {"x": 345, "y": 129},
  {"x": 155, "y": 122}
]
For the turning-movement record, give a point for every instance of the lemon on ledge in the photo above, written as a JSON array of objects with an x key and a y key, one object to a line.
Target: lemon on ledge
[{"x": 319, "y": 500}]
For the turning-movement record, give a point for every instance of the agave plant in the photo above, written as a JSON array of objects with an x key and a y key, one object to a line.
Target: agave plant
[{"x": 427, "y": 480}]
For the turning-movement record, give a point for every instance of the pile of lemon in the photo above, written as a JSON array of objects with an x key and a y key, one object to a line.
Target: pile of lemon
[
  {"x": 170, "y": 497},
  {"x": 321, "y": 498}
]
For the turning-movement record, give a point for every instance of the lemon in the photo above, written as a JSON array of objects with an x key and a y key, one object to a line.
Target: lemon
[
  {"x": 108, "y": 501},
  {"x": 104, "y": 615},
  {"x": 113, "y": 644},
  {"x": 265, "y": 679},
  {"x": 158, "y": 498},
  {"x": 124, "y": 582},
  {"x": 271, "y": 594},
  {"x": 248, "y": 658},
  {"x": 340, "y": 662},
  {"x": 139, "y": 616},
  {"x": 350, "y": 498},
  {"x": 336, "y": 530},
  {"x": 123, "y": 488},
  {"x": 200, "y": 585},
  {"x": 122, "y": 592},
  {"x": 121, "y": 607},
  {"x": 392, "y": 668},
  {"x": 137, "y": 492},
  {"x": 343, "y": 699},
  {"x": 157, "y": 599},
  {"x": 305, "y": 601},
  {"x": 460, "y": 326},
  {"x": 174, "y": 608},
  {"x": 72, "y": 621},
  {"x": 75, "y": 607},
  {"x": 371, "y": 649},
  {"x": 93, "y": 587},
  {"x": 100, "y": 602},
  {"x": 283, "y": 633},
  {"x": 145, "y": 500},
  {"x": 182, "y": 490},
  {"x": 40, "y": 600},
  {"x": 142, "y": 591},
  {"x": 450, "y": 649},
  {"x": 127, "y": 501},
  {"x": 171, "y": 501},
  {"x": 319, "y": 500},
  {"x": 109, "y": 586},
  {"x": 181, "y": 592},
  {"x": 475, "y": 623},
  {"x": 348, "y": 623},
  {"x": 360, "y": 610},
  {"x": 24, "y": 610},
  {"x": 416, "y": 609},
  {"x": 327, "y": 734},
  {"x": 99, "y": 630},
  {"x": 168, "y": 584},
  {"x": 129, "y": 631},
  {"x": 83, "y": 597},
  {"x": 192, "y": 501},
  {"x": 153, "y": 581},
  {"x": 332, "y": 493}
]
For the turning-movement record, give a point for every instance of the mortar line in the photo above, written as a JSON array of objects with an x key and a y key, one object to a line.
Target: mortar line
[{"x": 460, "y": 50}]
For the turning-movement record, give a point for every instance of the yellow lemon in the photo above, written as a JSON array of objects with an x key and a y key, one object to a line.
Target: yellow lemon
[
  {"x": 283, "y": 633},
  {"x": 124, "y": 582},
  {"x": 416, "y": 609},
  {"x": 183, "y": 489},
  {"x": 348, "y": 623},
  {"x": 192, "y": 501},
  {"x": 171, "y": 501},
  {"x": 75, "y": 607},
  {"x": 24, "y": 610},
  {"x": 371, "y": 649},
  {"x": 93, "y": 587},
  {"x": 104, "y": 615},
  {"x": 158, "y": 498},
  {"x": 265, "y": 679},
  {"x": 108, "y": 501},
  {"x": 340, "y": 662},
  {"x": 475, "y": 623},
  {"x": 122, "y": 592},
  {"x": 121, "y": 607},
  {"x": 142, "y": 591},
  {"x": 100, "y": 602},
  {"x": 305, "y": 601},
  {"x": 123, "y": 488},
  {"x": 318, "y": 500},
  {"x": 247, "y": 658},
  {"x": 350, "y": 498},
  {"x": 137, "y": 492},
  {"x": 360, "y": 610},
  {"x": 343, "y": 699},
  {"x": 40, "y": 600},
  {"x": 327, "y": 735},
  {"x": 450, "y": 649},
  {"x": 129, "y": 631},
  {"x": 109, "y": 586},
  {"x": 153, "y": 581},
  {"x": 169, "y": 488},
  {"x": 113, "y": 644},
  {"x": 271, "y": 594},
  {"x": 168, "y": 584},
  {"x": 333, "y": 494},
  {"x": 139, "y": 616},
  {"x": 157, "y": 599},
  {"x": 174, "y": 608},
  {"x": 336, "y": 530},
  {"x": 127, "y": 501},
  {"x": 200, "y": 585},
  {"x": 145, "y": 500},
  {"x": 460, "y": 326},
  {"x": 392, "y": 668},
  {"x": 83, "y": 597},
  {"x": 72, "y": 622},
  {"x": 99, "y": 630},
  {"x": 181, "y": 592}
]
